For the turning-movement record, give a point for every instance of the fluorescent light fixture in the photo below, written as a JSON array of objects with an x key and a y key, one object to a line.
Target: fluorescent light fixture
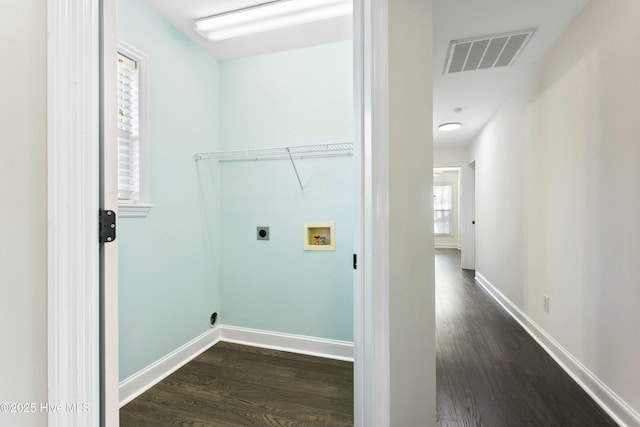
[
  {"x": 270, "y": 16},
  {"x": 450, "y": 126}
]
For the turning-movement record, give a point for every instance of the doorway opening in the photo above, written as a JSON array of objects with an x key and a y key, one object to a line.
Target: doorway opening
[
  {"x": 210, "y": 122},
  {"x": 446, "y": 207},
  {"x": 73, "y": 361}
]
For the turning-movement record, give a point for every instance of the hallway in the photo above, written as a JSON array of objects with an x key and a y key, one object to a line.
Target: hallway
[{"x": 490, "y": 372}]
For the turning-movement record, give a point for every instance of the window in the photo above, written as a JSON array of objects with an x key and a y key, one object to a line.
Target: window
[
  {"x": 442, "y": 208},
  {"x": 128, "y": 131},
  {"x": 133, "y": 183}
]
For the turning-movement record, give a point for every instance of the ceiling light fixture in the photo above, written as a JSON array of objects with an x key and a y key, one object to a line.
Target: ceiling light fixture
[
  {"x": 450, "y": 126},
  {"x": 270, "y": 16}
]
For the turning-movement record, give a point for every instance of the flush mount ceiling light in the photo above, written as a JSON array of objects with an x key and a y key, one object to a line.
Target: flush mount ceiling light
[
  {"x": 450, "y": 126},
  {"x": 270, "y": 16}
]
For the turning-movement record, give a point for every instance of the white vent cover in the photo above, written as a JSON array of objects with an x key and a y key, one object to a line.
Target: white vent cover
[{"x": 480, "y": 53}]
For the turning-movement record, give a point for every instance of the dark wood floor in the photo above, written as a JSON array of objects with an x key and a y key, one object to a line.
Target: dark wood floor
[
  {"x": 231, "y": 385},
  {"x": 490, "y": 372}
]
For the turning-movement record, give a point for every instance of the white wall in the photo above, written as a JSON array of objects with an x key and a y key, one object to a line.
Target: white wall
[
  {"x": 450, "y": 177},
  {"x": 450, "y": 156},
  {"x": 558, "y": 194},
  {"x": 23, "y": 183},
  {"x": 411, "y": 277}
]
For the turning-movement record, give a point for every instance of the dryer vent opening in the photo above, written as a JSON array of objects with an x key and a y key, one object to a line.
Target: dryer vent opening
[{"x": 213, "y": 318}]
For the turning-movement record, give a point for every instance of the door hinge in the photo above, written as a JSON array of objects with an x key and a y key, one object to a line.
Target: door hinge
[
  {"x": 355, "y": 261},
  {"x": 107, "y": 226}
]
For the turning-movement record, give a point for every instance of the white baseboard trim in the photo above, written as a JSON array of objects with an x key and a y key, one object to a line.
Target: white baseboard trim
[
  {"x": 617, "y": 408},
  {"x": 143, "y": 380},
  {"x": 321, "y": 347}
]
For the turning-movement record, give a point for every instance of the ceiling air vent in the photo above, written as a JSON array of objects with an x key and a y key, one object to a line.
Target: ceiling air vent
[{"x": 480, "y": 53}]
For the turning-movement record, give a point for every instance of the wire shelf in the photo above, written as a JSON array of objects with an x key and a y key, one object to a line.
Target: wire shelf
[{"x": 281, "y": 153}]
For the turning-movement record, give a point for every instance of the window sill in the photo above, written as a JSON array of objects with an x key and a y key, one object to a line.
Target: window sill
[{"x": 137, "y": 210}]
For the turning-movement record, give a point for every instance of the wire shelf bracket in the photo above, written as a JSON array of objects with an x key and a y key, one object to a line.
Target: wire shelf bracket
[{"x": 281, "y": 153}]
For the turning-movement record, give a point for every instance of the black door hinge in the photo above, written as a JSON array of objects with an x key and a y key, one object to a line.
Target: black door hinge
[
  {"x": 107, "y": 226},
  {"x": 355, "y": 261}
]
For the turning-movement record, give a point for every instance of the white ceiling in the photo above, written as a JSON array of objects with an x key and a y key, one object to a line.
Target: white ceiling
[
  {"x": 478, "y": 93},
  {"x": 182, "y": 13},
  {"x": 481, "y": 92}
]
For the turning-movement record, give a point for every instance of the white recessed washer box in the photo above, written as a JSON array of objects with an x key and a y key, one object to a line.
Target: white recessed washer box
[{"x": 319, "y": 236}]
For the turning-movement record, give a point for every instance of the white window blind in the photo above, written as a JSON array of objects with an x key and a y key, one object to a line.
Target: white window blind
[
  {"x": 128, "y": 130},
  {"x": 442, "y": 208}
]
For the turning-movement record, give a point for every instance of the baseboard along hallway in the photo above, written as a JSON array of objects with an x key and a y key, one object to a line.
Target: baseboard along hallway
[{"x": 490, "y": 371}]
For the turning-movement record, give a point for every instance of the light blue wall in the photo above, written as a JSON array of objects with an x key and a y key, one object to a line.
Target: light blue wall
[
  {"x": 197, "y": 251},
  {"x": 295, "y": 97},
  {"x": 169, "y": 262}
]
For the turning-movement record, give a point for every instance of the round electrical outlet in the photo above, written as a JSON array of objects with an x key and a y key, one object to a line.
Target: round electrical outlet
[
  {"x": 213, "y": 318},
  {"x": 262, "y": 233}
]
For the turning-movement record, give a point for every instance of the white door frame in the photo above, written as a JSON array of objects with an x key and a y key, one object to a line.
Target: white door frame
[
  {"x": 371, "y": 298},
  {"x": 76, "y": 371},
  {"x": 74, "y": 200}
]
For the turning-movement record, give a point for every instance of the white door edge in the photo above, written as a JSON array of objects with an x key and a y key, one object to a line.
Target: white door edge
[{"x": 109, "y": 354}]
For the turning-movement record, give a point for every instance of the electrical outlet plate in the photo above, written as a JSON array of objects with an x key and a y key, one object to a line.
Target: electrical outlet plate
[
  {"x": 546, "y": 303},
  {"x": 262, "y": 233}
]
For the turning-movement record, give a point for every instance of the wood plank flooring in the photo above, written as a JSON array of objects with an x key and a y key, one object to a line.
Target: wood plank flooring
[
  {"x": 231, "y": 385},
  {"x": 490, "y": 372}
]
